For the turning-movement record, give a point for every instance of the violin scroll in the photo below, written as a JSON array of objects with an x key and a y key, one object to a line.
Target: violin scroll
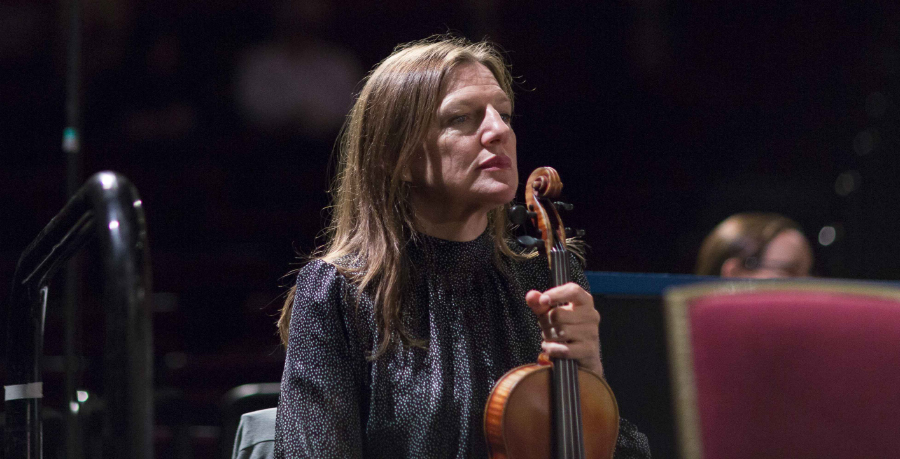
[{"x": 544, "y": 185}]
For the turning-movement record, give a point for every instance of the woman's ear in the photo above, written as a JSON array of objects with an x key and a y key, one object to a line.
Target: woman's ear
[{"x": 733, "y": 267}]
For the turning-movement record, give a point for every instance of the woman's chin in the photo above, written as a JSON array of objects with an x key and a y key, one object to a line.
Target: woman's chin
[{"x": 500, "y": 196}]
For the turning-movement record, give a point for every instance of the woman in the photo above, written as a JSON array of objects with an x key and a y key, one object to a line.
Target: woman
[
  {"x": 756, "y": 245},
  {"x": 397, "y": 332}
]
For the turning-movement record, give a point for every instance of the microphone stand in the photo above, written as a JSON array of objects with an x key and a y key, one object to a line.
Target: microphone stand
[{"x": 71, "y": 146}]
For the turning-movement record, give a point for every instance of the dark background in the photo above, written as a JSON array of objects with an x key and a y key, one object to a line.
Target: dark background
[{"x": 663, "y": 117}]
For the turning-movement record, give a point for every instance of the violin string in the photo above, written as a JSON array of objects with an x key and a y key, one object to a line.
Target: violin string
[
  {"x": 573, "y": 386},
  {"x": 579, "y": 437},
  {"x": 572, "y": 443},
  {"x": 571, "y": 403},
  {"x": 568, "y": 401},
  {"x": 576, "y": 409},
  {"x": 573, "y": 426},
  {"x": 560, "y": 373},
  {"x": 578, "y": 440}
]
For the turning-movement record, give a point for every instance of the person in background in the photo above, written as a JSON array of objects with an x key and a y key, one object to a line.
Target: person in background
[{"x": 756, "y": 245}]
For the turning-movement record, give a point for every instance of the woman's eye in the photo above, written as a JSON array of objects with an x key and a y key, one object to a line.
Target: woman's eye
[
  {"x": 507, "y": 118},
  {"x": 459, "y": 119}
]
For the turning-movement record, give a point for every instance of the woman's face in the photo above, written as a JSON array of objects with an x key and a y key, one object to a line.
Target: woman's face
[
  {"x": 468, "y": 161},
  {"x": 787, "y": 255}
]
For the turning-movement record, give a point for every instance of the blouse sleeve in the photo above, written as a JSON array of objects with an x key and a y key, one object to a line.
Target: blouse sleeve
[
  {"x": 576, "y": 272},
  {"x": 319, "y": 408},
  {"x": 631, "y": 443}
]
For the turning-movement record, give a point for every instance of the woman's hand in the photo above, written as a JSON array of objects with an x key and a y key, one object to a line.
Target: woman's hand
[{"x": 572, "y": 329}]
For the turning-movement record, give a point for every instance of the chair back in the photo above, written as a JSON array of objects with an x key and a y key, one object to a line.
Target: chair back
[
  {"x": 239, "y": 401},
  {"x": 785, "y": 369},
  {"x": 255, "y": 438}
]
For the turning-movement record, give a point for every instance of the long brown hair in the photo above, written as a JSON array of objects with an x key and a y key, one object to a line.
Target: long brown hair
[
  {"x": 740, "y": 235},
  {"x": 371, "y": 220}
]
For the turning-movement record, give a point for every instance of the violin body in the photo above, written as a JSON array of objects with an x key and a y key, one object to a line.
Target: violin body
[{"x": 518, "y": 418}]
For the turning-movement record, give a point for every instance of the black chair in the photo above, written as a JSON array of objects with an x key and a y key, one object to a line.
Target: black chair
[{"x": 247, "y": 398}]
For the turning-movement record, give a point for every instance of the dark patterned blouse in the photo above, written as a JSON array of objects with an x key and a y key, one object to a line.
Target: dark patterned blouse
[{"x": 415, "y": 402}]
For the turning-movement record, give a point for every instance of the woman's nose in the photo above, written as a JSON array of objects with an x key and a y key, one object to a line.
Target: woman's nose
[{"x": 494, "y": 128}]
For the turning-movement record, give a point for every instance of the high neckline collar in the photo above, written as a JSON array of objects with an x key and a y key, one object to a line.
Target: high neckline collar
[{"x": 476, "y": 252}]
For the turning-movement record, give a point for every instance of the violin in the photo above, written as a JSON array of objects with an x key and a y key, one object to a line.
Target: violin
[{"x": 550, "y": 409}]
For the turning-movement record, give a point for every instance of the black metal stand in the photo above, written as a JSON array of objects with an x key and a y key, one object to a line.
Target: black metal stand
[
  {"x": 71, "y": 146},
  {"x": 107, "y": 208}
]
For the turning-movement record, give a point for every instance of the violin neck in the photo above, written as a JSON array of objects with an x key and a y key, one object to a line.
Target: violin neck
[
  {"x": 559, "y": 266},
  {"x": 568, "y": 438}
]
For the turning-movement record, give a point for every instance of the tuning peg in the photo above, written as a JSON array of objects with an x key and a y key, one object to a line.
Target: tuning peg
[
  {"x": 518, "y": 214},
  {"x": 563, "y": 205},
  {"x": 576, "y": 233},
  {"x": 529, "y": 241}
]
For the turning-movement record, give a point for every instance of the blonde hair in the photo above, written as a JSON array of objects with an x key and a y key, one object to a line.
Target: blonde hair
[
  {"x": 740, "y": 235},
  {"x": 371, "y": 221}
]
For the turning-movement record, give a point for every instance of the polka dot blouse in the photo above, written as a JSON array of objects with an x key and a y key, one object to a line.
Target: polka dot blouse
[{"x": 412, "y": 402}]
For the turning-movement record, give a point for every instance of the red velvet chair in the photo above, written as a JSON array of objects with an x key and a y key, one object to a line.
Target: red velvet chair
[{"x": 786, "y": 369}]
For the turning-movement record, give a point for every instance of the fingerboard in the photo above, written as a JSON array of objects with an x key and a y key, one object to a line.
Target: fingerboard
[{"x": 568, "y": 439}]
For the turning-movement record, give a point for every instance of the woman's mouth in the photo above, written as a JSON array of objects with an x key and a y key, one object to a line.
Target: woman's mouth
[{"x": 496, "y": 163}]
